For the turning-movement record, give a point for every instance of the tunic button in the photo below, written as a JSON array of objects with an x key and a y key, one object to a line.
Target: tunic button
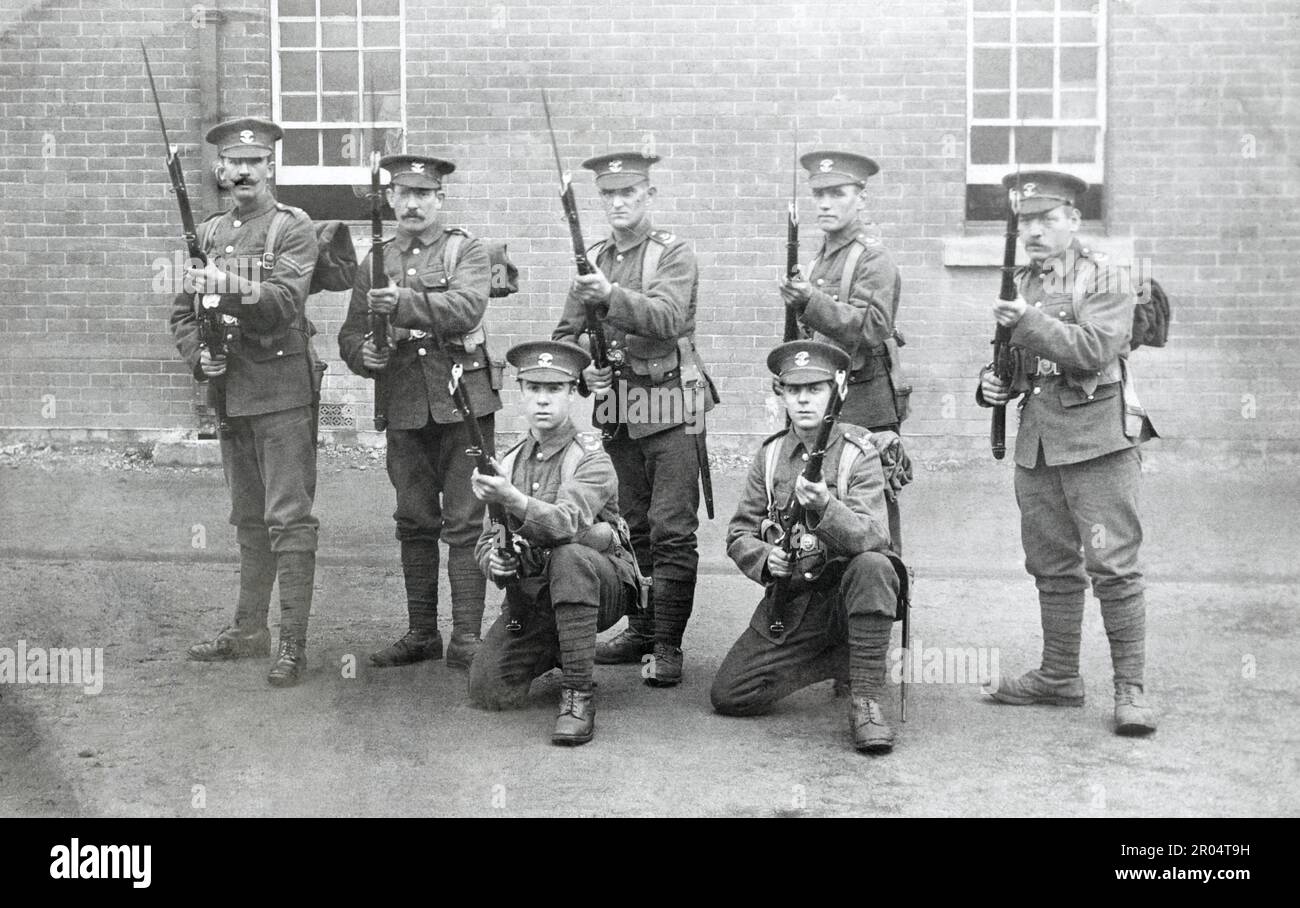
[
  {"x": 229, "y": 249},
  {"x": 410, "y": 271},
  {"x": 539, "y": 455},
  {"x": 1062, "y": 313},
  {"x": 473, "y": 365},
  {"x": 1038, "y": 305},
  {"x": 415, "y": 250},
  {"x": 619, "y": 257},
  {"x": 804, "y": 455},
  {"x": 1038, "y": 390},
  {"x": 422, "y": 351},
  {"x": 536, "y": 486},
  {"x": 615, "y": 284},
  {"x": 808, "y": 575},
  {"x": 820, "y": 281},
  {"x": 613, "y": 343},
  {"x": 236, "y": 223},
  {"x": 279, "y": 353},
  {"x": 1089, "y": 397}
]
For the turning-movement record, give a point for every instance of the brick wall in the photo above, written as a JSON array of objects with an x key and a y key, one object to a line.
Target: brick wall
[{"x": 1200, "y": 173}]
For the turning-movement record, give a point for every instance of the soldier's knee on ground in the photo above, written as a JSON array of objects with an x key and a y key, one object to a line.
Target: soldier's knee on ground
[
  {"x": 488, "y": 690},
  {"x": 729, "y": 698}
]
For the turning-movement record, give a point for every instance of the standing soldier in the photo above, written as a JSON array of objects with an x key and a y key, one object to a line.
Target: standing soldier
[
  {"x": 434, "y": 303},
  {"x": 268, "y": 448},
  {"x": 655, "y": 393},
  {"x": 845, "y": 585},
  {"x": 849, "y": 297},
  {"x": 1077, "y": 462},
  {"x": 574, "y": 577}
]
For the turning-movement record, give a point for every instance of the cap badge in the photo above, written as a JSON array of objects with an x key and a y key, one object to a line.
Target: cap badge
[
  {"x": 545, "y": 359},
  {"x": 807, "y": 542},
  {"x": 615, "y": 166},
  {"x": 246, "y": 136},
  {"x": 1029, "y": 189},
  {"x": 417, "y": 167},
  {"x": 801, "y": 358},
  {"x": 825, "y": 165}
]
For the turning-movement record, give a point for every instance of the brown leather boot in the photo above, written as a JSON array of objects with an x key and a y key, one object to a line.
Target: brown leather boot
[
  {"x": 576, "y": 723},
  {"x": 1033, "y": 687},
  {"x": 233, "y": 643},
  {"x": 289, "y": 664},
  {"x": 1132, "y": 715},
  {"x": 414, "y": 646},
  {"x": 871, "y": 733}
]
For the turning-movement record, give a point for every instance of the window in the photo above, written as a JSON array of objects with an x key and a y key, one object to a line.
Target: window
[
  {"x": 338, "y": 89},
  {"x": 1036, "y": 96}
]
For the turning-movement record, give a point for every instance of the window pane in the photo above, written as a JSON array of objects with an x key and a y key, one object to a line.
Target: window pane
[
  {"x": 297, "y": 7},
  {"x": 992, "y": 31},
  {"x": 1034, "y": 145},
  {"x": 1033, "y": 31},
  {"x": 1079, "y": 30},
  {"x": 992, "y": 68},
  {"x": 1078, "y": 105},
  {"x": 990, "y": 144},
  {"x": 992, "y": 6},
  {"x": 297, "y": 72},
  {"x": 339, "y": 108},
  {"x": 379, "y": 7},
  {"x": 1033, "y": 6},
  {"x": 1034, "y": 67},
  {"x": 341, "y": 148},
  {"x": 1078, "y": 6},
  {"x": 993, "y": 104},
  {"x": 1078, "y": 66},
  {"x": 338, "y": 8},
  {"x": 1077, "y": 144},
  {"x": 382, "y": 34},
  {"x": 387, "y": 108},
  {"x": 298, "y": 108},
  {"x": 297, "y": 34},
  {"x": 339, "y": 70},
  {"x": 382, "y": 71},
  {"x": 338, "y": 34},
  {"x": 298, "y": 147},
  {"x": 388, "y": 141},
  {"x": 1034, "y": 106}
]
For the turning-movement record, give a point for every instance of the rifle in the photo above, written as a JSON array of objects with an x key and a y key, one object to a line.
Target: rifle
[
  {"x": 212, "y": 333},
  {"x": 378, "y": 323},
  {"x": 595, "y": 323},
  {"x": 792, "y": 245},
  {"x": 1003, "y": 364},
  {"x": 505, "y": 543},
  {"x": 793, "y": 515}
]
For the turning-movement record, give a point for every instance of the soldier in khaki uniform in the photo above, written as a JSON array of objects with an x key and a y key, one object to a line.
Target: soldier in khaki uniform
[
  {"x": 845, "y": 586},
  {"x": 849, "y": 297},
  {"x": 267, "y": 378},
  {"x": 649, "y": 325},
  {"x": 1077, "y": 462},
  {"x": 435, "y": 302},
  {"x": 574, "y": 576}
]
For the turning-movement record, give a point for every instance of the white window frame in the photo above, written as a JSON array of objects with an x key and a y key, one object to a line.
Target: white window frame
[
  {"x": 333, "y": 175},
  {"x": 992, "y": 174}
]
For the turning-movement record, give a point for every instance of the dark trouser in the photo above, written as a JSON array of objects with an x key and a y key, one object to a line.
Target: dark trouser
[
  {"x": 507, "y": 663},
  {"x": 430, "y": 472},
  {"x": 758, "y": 672},
  {"x": 270, "y": 466},
  {"x": 659, "y": 495}
]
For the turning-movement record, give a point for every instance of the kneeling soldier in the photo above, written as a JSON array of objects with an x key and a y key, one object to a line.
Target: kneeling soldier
[
  {"x": 845, "y": 585},
  {"x": 573, "y": 574}
]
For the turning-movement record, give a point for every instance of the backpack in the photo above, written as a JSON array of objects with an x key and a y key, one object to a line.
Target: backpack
[{"x": 1150, "y": 316}]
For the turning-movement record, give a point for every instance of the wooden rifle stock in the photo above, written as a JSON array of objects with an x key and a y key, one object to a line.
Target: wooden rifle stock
[{"x": 1003, "y": 366}]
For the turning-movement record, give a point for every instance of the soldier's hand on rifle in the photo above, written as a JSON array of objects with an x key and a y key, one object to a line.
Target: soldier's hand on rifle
[
  {"x": 795, "y": 291},
  {"x": 383, "y": 301},
  {"x": 592, "y": 288},
  {"x": 209, "y": 279},
  {"x": 993, "y": 389},
  {"x": 372, "y": 359},
  {"x": 212, "y": 366},
  {"x": 812, "y": 495},
  {"x": 503, "y": 564},
  {"x": 599, "y": 381},
  {"x": 778, "y": 563},
  {"x": 1008, "y": 312},
  {"x": 497, "y": 490}
]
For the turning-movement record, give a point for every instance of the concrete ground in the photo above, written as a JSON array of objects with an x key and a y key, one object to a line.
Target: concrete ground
[{"x": 114, "y": 552}]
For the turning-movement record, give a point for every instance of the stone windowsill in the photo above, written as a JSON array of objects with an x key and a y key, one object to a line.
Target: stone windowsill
[{"x": 984, "y": 250}]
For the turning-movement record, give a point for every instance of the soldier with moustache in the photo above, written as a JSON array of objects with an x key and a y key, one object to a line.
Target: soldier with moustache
[
  {"x": 575, "y": 575},
  {"x": 1078, "y": 466},
  {"x": 435, "y": 309},
  {"x": 267, "y": 377},
  {"x": 845, "y": 585},
  {"x": 649, "y": 325}
]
